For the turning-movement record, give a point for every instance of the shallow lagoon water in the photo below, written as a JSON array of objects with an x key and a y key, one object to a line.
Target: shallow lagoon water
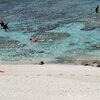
[{"x": 31, "y": 18}]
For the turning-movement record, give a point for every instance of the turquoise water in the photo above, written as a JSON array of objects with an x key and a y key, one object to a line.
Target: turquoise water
[{"x": 69, "y": 29}]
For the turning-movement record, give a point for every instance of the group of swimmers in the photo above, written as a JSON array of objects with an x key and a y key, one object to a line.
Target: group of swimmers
[{"x": 5, "y": 26}]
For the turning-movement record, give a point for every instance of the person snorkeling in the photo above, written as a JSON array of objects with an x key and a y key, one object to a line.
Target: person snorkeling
[
  {"x": 33, "y": 40},
  {"x": 37, "y": 40},
  {"x": 40, "y": 40}
]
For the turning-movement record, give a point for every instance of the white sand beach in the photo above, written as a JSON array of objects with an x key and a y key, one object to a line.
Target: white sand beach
[{"x": 49, "y": 82}]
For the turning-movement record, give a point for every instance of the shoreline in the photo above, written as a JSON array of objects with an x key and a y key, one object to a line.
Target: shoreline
[
  {"x": 86, "y": 60},
  {"x": 92, "y": 63}
]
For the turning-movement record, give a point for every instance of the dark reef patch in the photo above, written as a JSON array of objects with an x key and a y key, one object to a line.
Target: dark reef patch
[
  {"x": 46, "y": 27},
  {"x": 94, "y": 47},
  {"x": 90, "y": 24},
  {"x": 4, "y": 43},
  {"x": 51, "y": 35}
]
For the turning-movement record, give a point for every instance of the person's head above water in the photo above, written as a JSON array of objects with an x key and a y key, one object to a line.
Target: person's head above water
[
  {"x": 4, "y": 26},
  {"x": 30, "y": 38},
  {"x": 97, "y": 9},
  {"x": 2, "y": 23}
]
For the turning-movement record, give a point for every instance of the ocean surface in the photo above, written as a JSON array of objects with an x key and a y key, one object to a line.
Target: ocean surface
[{"x": 69, "y": 28}]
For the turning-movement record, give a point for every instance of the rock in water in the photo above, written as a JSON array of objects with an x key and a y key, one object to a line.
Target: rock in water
[
  {"x": 51, "y": 35},
  {"x": 98, "y": 65},
  {"x": 6, "y": 43},
  {"x": 91, "y": 24},
  {"x": 41, "y": 63},
  {"x": 47, "y": 27}
]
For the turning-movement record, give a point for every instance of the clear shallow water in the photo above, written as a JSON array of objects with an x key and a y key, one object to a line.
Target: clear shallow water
[{"x": 69, "y": 28}]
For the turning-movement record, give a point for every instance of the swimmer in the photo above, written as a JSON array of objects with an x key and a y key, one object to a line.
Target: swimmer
[
  {"x": 97, "y": 9},
  {"x": 40, "y": 40},
  {"x": 35, "y": 40},
  {"x": 4, "y": 26}
]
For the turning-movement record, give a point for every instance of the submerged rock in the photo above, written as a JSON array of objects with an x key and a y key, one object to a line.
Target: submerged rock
[
  {"x": 10, "y": 43},
  {"x": 25, "y": 53},
  {"x": 91, "y": 24},
  {"x": 46, "y": 27},
  {"x": 27, "y": 29},
  {"x": 41, "y": 63},
  {"x": 51, "y": 35},
  {"x": 98, "y": 65},
  {"x": 88, "y": 28},
  {"x": 2, "y": 38},
  {"x": 95, "y": 46}
]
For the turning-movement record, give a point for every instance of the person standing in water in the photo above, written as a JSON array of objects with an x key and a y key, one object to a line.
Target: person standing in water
[{"x": 97, "y": 9}]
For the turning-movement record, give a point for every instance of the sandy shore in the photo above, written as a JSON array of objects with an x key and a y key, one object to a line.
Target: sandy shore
[{"x": 49, "y": 82}]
